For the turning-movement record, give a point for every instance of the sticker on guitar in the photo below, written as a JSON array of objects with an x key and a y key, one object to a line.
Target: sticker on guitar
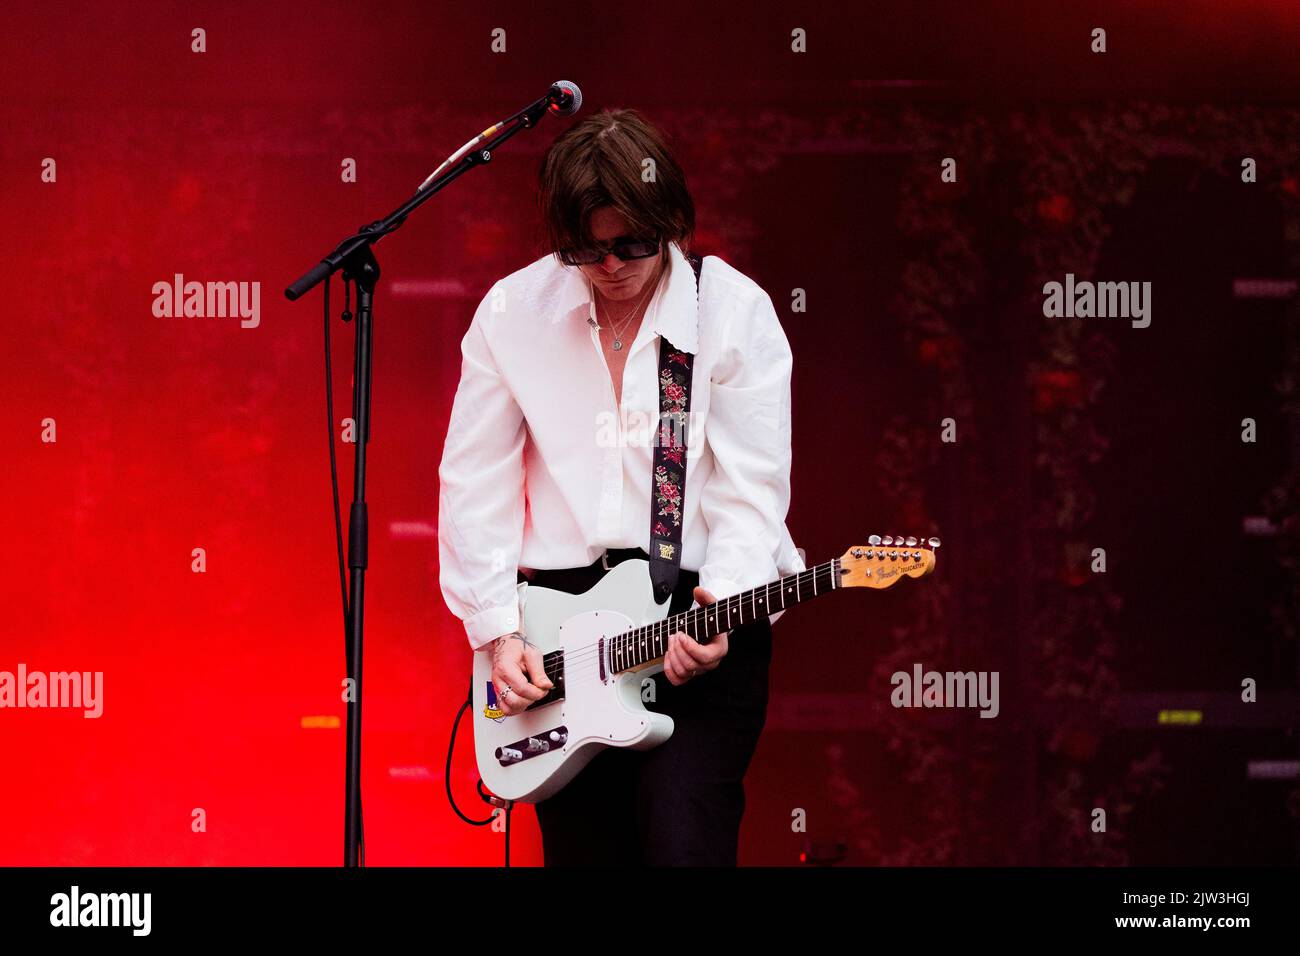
[{"x": 493, "y": 710}]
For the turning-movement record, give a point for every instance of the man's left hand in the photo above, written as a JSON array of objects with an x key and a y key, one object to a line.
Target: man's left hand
[{"x": 685, "y": 658}]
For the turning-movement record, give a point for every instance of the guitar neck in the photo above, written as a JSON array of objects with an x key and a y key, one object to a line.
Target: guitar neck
[{"x": 641, "y": 645}]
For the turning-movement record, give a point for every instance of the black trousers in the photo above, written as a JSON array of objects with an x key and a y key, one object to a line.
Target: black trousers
[{"x": 678, "y": 804}]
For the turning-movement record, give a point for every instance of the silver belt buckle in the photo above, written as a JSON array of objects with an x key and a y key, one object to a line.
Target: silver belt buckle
[{"x": 604, "y": 561}]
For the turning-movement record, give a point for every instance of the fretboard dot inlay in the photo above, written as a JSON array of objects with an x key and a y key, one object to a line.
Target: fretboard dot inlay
[{"x": 627, "y": 650}]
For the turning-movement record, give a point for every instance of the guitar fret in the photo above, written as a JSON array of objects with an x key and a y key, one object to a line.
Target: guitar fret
[{"x": 650, "y": 642}]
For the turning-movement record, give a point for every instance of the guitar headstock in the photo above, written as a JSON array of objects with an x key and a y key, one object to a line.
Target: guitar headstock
[{"x": 884, "y": 561}]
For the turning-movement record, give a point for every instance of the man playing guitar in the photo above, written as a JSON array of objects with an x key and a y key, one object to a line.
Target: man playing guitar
[{"x": 549, "y": 474}]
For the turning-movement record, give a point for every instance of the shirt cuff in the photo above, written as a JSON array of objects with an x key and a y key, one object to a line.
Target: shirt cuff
[
  {"x": 486, "y": 626},
  {"x": 719, "y": 587}
]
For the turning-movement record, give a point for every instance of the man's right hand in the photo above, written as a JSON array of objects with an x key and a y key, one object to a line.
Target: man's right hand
[{"x": 518, "y": 673}]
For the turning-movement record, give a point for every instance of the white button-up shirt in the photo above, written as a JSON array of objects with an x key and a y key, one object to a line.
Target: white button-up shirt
[{"x": 541, "y": 470}]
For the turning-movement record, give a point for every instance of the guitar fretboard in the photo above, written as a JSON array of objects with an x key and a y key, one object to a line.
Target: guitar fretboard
[{"x": 644, "y": 644}]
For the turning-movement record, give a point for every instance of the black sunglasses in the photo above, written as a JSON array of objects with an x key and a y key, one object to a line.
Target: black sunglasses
[{"x": 624, "y": 247}]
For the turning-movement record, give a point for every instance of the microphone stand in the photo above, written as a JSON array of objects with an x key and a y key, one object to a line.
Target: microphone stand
[{"x": 356, "y": 258}]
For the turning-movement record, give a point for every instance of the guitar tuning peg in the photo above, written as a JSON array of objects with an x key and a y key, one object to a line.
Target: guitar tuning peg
[
  {"x": 887, "y": 539},
  {"x": 873, "y": 539},
  {"x": 911, "y": 542},
  {"x": 933, "y": 543}
]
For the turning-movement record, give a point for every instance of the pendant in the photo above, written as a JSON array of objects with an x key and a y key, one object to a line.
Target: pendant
[{"x": 618, "y": 345}]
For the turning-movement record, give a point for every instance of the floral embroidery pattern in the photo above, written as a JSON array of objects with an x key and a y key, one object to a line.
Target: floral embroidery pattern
[
  {"x": 670, "y": 458},
  {"x": 668, "y": 496},
  {"x": 673, "y": 454}
]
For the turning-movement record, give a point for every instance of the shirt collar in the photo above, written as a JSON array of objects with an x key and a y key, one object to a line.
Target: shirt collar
[{"x": 676, "y": 317}]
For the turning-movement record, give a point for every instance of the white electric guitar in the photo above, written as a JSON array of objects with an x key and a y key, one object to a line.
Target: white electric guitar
[{"x": 600, "y": 646}]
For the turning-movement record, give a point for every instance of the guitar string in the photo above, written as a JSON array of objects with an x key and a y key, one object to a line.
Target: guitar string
[
  {"x": 587, "y": 658},
  {"x": 591, "y": 653},
  {"x": 820, "y": 577}
]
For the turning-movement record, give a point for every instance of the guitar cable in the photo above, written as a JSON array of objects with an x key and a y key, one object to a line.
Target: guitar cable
[{"x": 502, "y": 805}]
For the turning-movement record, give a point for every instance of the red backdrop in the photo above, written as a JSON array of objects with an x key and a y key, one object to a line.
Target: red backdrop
[{"x": 183, "y": 433}]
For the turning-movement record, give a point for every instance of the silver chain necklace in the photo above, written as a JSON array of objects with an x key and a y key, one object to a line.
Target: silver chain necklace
[{"x": 618, "y": 333}]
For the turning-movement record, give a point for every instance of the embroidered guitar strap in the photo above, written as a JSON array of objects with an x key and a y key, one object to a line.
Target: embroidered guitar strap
[{"x": 668, "y": 488}]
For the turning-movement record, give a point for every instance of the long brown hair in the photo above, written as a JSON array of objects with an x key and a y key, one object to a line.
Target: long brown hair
[{"x": 600, "y": 162}]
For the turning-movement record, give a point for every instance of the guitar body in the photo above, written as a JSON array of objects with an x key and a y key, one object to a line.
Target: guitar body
[{"x": 557, "y": 738}]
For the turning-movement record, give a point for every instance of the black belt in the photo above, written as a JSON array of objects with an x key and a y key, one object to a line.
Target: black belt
[
  {"x": 610, "y": 559},
  {"x": 613, "y": 557},
  {"x": 587, "y": 576},
  {"x": 580, "y": 579}
]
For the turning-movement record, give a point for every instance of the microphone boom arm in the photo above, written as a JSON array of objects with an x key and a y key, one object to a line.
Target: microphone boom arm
[{"x": 465, "y": 158}]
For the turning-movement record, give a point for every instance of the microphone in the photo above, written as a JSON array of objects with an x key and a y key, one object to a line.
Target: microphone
[{"x": 565, "y": 97}]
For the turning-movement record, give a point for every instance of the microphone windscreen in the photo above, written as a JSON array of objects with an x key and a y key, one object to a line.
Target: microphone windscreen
[{"x": 575, "y": 94}]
